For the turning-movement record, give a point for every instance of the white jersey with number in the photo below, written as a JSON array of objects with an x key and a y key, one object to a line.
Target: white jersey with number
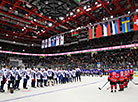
[
  {"x": 50, "y": 73},
  {"x": 17, "y": 74},
  {"x": 74, "y": 73},
  {"x": 10, "y": 75},
  {"x": 45, "y": 75},
  {"x": 39, "y": 74}
]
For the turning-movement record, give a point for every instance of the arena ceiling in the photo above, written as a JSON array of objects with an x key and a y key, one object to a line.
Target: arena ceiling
[{"x": 34, "y": 20}]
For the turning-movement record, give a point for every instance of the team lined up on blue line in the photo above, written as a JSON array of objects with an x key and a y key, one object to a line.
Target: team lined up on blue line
[{"x": 39, "y": 77}]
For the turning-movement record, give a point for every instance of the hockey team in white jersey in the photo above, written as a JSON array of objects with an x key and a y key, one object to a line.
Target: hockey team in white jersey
[{"x": 40, "y": 77}]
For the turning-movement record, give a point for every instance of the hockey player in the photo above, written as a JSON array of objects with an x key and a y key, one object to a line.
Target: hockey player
[
  {"x": 74, "y": 74},
  {"x": 60, "y": 77},
  {"x": 56, "y": 76},
  {"x": 11, "y": 78},
  {"x": 45, "y": 77},
  {"x": 126, "y": 78},
  {"x": 121, "y": 78},
  {"x": 25, "y": 78},
  {"x": 63, "y": 76},
  {"x": 92, "y": 72},
  {"x": 39, "y": 76},
  {"x": 113, "y": 79},
  {"x": 70, "y": 75},
  {"x": 131, "y": 73},
  {"x": 17, "y": 78},
  {"x": 66, "y": 76},
  {"x": 96, "y": 72},
  {"x": 50, "y": 74},
  {"x": 33, "y": 77},
  {"x": 78, "y": 74},
  {"x": 3, "y": 78}
]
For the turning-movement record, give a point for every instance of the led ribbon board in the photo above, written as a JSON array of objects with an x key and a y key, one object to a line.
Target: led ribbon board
[{"x": 74, "y": 52}]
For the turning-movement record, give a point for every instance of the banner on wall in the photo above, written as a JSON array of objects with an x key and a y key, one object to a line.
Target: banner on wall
[{"x": 73, "y": 52}]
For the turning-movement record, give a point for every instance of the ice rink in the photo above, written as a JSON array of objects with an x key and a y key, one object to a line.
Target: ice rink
[{"x": 85, "y": 91}]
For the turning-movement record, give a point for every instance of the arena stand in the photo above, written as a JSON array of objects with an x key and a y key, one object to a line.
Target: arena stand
[{"x": 108, "y": 59}]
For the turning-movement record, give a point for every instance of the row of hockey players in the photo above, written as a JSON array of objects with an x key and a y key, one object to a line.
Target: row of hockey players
[
  {"x": 38, "y": 76},
  {"x": 122, "y": 76}
]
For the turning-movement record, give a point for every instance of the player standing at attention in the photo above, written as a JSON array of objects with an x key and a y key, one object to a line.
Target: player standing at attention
[{"x": 113, "y": 79}]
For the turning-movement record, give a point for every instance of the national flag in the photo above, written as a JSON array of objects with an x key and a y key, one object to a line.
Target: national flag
[
  {"x": 125, "y": 25},
  {"x": 106, "y": 29},
  {"x": 57, "y": 40},
  {"x": 53, "y": 41},
  {"x": 49, "y": 42},
  {"x": 61, "y": 39},
  {"x": 75, "y": 33},
  {"x": 135, "y": 23},
  {"x": 98, "y": 31},
  {"x": 91, "y": 33},
  {"x": 43, "y": 44},
  {"x": 46, "y": 43},
  {"x": 115, "y": 27}
]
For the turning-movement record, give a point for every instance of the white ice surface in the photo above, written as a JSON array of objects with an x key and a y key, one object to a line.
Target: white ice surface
[{"x": 85, "y": 91}]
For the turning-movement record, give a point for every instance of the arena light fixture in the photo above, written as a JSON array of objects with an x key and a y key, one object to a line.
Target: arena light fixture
[
  {"x": 78, "y": 10},
  {"x": 128, "y": 12},
  {"x": 112, "y": 16},
  {"x": 85, "y": 7},
  {"x": 59, "y": 3},
  {"x": 88, "y": 6},
  {"x": 71, "y": 13},
  {"x": 106, "y": 18},
  {"x": 50, "y": 24},
  {"x": 61, "y": 18},
  {"x": 46, "y": 2},
  {"x": 34, "y": 19},
  {"x": 88, "y": 9},
  {"x": 96, "y": 3},
  {"x": 136, "y": 10}
]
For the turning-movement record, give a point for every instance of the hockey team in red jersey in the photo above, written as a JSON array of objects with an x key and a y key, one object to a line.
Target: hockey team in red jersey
[{"x": 122, "y": 76}]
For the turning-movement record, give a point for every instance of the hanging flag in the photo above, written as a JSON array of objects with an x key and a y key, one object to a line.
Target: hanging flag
[
  {"x": 57, "y": 40},
  {"x": 46, "y": 43},
  {"x": 43, "y": 44},
  {"x": 135, "y": 23},
  {"x": 61, "y": 39},
  {"x": 125, "y": 25},
  {"x": 98, "y": 31},
  {"x": 106, "y": 29},
  {"x": 53, "y": 41},
  {"x": 49, "y": 42},
  {"x": 91, "y": 33},
  {"x": 75, "y": 33},
  {"x": 115, "y": 27}
]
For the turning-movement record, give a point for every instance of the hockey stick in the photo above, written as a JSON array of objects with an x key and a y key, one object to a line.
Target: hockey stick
[
  {"x": 102, "y": 86},
  {"x": 134, "y": 83}
]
